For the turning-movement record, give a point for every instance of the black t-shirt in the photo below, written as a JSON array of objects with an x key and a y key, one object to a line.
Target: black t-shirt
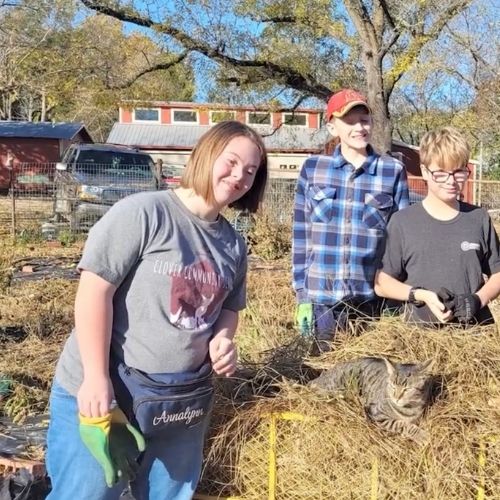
[{"x": 456, "y": 254}]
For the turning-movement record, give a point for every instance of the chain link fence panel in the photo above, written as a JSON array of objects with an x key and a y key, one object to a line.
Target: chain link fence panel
[{"x": 45, "y": 202}]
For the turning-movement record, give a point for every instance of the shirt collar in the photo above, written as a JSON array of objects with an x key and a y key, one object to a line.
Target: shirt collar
[{"x": 368, "y": 166}]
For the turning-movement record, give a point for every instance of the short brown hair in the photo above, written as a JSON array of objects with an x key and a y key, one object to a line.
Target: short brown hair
[
  {"x": 446, "y": 147},
  {"x": 198, "y": 172}
]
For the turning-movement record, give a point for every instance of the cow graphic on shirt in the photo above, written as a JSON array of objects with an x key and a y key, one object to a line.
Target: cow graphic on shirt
[{"x": 196, "y": 295}]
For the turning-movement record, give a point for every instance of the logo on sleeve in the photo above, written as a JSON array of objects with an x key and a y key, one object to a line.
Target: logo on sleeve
[{"x": 465, "y": 246}]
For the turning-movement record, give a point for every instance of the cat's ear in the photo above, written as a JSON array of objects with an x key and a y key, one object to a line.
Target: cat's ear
[
  {"x": 391, "y": 369},
  {"x": 426, "y": 365}
]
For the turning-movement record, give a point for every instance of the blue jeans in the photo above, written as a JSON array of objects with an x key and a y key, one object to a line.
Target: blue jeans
[{"x": 169, "y": 468}]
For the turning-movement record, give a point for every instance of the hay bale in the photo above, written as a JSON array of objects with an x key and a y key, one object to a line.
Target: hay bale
[{"x": 337, "y": 453}]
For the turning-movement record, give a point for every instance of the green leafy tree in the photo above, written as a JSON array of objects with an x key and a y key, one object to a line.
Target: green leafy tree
[
  {"x": 456, "y": 82},
  {"x": 304, "y": 48},
  {"x": 56, "y": 68}
]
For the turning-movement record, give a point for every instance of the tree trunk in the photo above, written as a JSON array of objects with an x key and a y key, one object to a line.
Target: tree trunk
[{"x": 382, "y": 128}]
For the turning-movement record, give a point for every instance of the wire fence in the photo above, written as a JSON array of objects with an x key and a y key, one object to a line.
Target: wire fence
[
  {"x": 488, "y": 196},
  {"x": 47, "y": 203}
]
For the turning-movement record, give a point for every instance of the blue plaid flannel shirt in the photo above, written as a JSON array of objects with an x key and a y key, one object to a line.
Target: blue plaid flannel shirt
[{"x": 340, "y": 216}]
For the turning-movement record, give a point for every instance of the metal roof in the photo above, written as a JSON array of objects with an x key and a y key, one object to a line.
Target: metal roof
[
  {"x": 42, "y": 130},
  {"x": 116, "y": 148},
  {"x": 285, "y": 138}
]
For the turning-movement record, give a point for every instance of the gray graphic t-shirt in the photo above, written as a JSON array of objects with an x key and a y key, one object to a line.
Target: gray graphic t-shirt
[
  {"x": 174, "y": 272},
  {"x": 456, "y": 254}
]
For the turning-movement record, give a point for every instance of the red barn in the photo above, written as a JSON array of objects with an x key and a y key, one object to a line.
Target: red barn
[
  {"x": 409, "y": 156},
  {"x": 39, "y": 144}
]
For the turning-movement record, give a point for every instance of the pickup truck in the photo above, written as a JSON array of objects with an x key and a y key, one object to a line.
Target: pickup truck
[{"x": 92, "y": 177}]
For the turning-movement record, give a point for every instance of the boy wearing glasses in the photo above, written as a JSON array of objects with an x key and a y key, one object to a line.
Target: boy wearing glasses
[{"x": 439, "y": 250}]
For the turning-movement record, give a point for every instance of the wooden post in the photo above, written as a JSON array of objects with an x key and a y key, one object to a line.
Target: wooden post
[{"x": 10, "y": 166}]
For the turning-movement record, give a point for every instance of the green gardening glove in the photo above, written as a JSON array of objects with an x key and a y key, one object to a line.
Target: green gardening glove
[
  {"x": 304, "y": 318},
  {"x": 114, "y": 443}
]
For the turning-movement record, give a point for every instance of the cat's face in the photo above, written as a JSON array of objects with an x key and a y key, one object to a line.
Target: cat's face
[{"x": 408, "y": 383}]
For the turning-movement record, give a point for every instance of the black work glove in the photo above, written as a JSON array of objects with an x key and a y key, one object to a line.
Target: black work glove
[
  {"x": 467, "y": 305},
  {"x": 447, "y": 298}
]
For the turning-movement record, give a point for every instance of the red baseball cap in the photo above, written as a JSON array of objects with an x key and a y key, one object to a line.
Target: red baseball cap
[{"x": 343, "y": 101}]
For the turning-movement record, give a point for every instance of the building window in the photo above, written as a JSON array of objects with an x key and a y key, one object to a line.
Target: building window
[
  {"x": 293, "y": 167},
  {"x": 185, "y": 116},
  {"x": 146, "y": 115},
  {"x": 259, "y": 118},
  {"x": 288, "y": 167},
  {"x": 299, "y": 119},
  {"x": 220, "y": 116}
]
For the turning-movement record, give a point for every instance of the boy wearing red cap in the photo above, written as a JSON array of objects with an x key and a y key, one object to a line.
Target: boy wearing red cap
[{"x": 343, "y": 202}]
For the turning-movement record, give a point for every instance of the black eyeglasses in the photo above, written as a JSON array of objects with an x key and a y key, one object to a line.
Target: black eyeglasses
[{"x": 460, "y": 175}]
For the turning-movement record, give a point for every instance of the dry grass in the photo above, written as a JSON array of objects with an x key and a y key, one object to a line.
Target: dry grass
[
  {"x": 331, "y": 454},
  {"x": 29, "y": 213},
  {"x": 35, "y": 318}
]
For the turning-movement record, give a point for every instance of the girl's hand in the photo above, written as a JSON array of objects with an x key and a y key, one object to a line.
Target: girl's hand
[
  {"x": 95, "y": 396},
  {"x": 435, "y": 305},
  {"x": 223, "y": 355}
]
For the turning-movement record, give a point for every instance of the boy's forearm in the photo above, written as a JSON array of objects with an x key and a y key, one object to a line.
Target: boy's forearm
[
  {"x": 390, "y": 288},
  {"x": 226, "y": 324},
  {"x": 490, "y": 290},
  {"x": 93, "y": 323}
]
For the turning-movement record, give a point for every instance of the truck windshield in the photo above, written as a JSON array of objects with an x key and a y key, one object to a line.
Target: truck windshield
[{"x": 108, "y": 162}]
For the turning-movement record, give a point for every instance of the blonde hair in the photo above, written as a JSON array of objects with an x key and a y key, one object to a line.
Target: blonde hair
[
  {"x": 198, "y": 172},
  {"x": 446, "y": 147}
]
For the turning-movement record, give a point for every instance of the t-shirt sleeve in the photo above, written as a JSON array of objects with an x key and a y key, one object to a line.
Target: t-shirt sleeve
[
  {"x": 491, "y": 264},
  {"x": 116, "y": 242},
  {"x": 392, "y": 261},
  {"x": 237, "y": 298}
]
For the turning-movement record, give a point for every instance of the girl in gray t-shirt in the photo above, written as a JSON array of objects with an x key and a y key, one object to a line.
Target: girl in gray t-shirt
[{"x": 163, "y": 276}]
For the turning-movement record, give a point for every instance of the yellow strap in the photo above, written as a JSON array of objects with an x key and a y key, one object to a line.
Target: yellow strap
[
  {"x": 374, "y": 480},
  {"x": 272, "y": 458}
]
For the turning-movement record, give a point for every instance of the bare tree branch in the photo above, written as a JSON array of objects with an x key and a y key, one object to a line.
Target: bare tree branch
[
  {"x": 274, "y": 19},
  {"x": 288, "y": 76},
  {"x": 396, "y": 32},
  {"x": 291, "y": 109},
  {"x": 476, "y": 54},
  {"x": 361, "y": 20},
  {"x": 408, "y": 57},
  {"x": 155, "y": 67},
  {"x": 388, "y": 17}
]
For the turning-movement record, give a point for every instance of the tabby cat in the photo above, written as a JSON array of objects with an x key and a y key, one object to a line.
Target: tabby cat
[{"x": 395, "y": 395}]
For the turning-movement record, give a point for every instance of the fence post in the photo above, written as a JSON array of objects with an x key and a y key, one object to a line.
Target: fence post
[
  {"x": 10, "y": 166},
  {"x": 480, "y": 187},
  {"x": 13, "y": 213}
]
